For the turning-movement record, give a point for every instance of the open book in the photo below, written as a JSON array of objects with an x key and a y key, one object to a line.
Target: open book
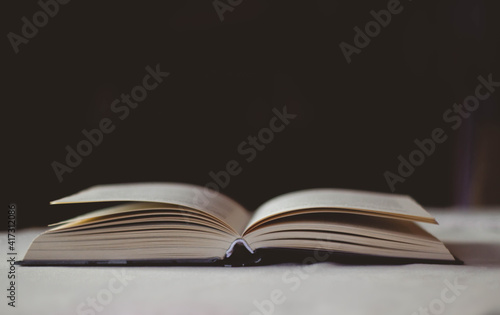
[{"x": 173, "y": 222}]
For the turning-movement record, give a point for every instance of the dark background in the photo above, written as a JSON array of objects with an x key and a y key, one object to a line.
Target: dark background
[{"x": 225, "y": 79}]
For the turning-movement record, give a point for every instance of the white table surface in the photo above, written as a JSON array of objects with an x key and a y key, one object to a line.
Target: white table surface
[{"x": 324, "y": 288}]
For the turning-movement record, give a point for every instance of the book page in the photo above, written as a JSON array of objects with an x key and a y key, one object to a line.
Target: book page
[
  {"x": 127, "y": 212},
  {"x": 191, "y": 196},
  {"x": 398, "y": 206}
]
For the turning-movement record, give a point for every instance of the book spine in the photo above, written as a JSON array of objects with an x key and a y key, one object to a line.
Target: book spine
[{"x": 237, "y": 242}]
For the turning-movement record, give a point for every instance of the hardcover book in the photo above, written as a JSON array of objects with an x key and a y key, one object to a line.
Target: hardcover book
[{"x": 175, "y": 223}]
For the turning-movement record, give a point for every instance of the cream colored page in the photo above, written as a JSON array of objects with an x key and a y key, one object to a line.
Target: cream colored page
[
  {"x": 340, "y": 198},
  {"x": 186, "y": 195}
]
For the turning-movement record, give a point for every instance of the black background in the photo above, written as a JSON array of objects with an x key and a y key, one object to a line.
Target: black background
[{"x": 225, "y": 79}]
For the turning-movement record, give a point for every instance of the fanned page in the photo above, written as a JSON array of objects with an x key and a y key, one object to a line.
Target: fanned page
[
  {"x": 341, "y": 200},
  {"x": 349, "y": 233},
  {"x": 190, "y": 196}
]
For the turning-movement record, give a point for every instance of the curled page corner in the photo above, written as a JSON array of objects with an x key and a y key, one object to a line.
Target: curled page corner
[{"x": 238, "y": 241}]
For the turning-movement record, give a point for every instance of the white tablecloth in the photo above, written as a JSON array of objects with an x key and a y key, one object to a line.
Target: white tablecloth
[{"x": 325, "y": 288}]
